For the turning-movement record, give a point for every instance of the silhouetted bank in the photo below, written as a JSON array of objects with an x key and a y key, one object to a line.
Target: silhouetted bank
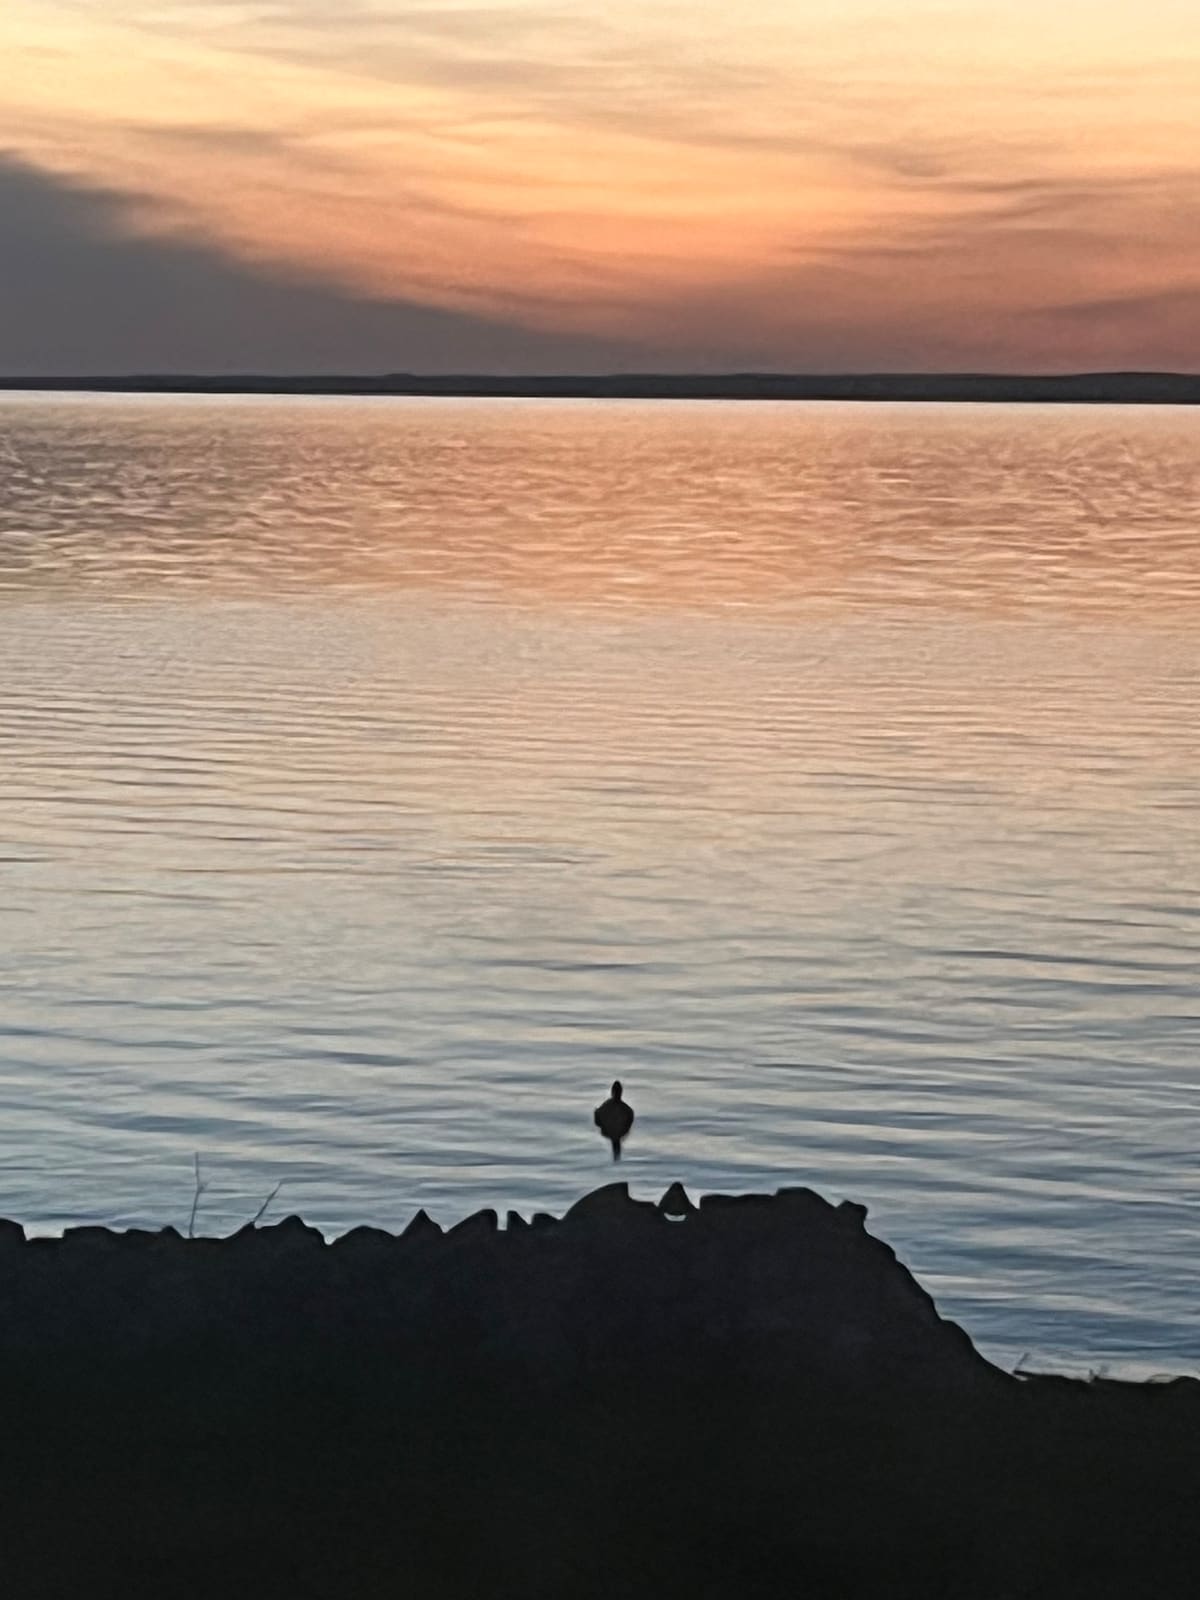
[
  {"x": 746, "y": 1399},
  {"x": 1103, "y": 388}
]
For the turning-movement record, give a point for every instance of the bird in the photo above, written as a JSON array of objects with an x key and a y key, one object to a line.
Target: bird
[{"x": 614, "y": 1119}]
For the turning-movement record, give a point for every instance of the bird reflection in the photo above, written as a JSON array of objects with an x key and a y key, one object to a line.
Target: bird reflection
[{"x": 614, "y": 1119}]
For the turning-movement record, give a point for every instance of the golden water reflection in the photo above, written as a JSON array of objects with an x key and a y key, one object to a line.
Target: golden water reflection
[{"x": 685, "y": 505}]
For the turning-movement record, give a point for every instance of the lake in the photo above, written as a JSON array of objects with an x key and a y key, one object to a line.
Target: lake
[{"x": 381, "y": 778}]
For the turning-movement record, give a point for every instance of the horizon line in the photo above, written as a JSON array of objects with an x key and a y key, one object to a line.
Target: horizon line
[
  {"x": 1130, "y": 387},
  {"x": 611, "y": 374}
]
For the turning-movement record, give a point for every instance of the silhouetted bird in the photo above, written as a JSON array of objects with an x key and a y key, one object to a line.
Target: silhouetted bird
[{"x": 614, "y": 1119}]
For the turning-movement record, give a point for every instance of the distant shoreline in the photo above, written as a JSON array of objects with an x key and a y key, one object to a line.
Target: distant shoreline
[{"x": 1089, "y": 388}]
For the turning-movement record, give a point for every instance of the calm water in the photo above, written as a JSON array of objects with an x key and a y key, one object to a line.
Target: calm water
[{"x": 380, "y": 778}]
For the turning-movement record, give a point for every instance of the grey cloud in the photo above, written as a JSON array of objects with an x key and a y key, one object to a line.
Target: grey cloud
[
  {"x": 1155, "y": 329},
  {"x": 1075, "y": 203},
  {"x": 1182, "y": 301},
  {"x": 959, "y": 290},
  {"x": 312, "y": 28},
  {"x": 81, "y": 291},
  {"x": 543, "y": 63},
  {"x": 1066, "y": 213},
  {"x": 548, "y": 64},
  {"x": 217, "y": 138},
  {"x": 309, "y": 149}
]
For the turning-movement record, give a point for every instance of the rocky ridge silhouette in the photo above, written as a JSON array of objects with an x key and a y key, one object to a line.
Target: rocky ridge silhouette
[
  {"x": 748, "y": 1396},
  {"x": 788, "y": 1282}
]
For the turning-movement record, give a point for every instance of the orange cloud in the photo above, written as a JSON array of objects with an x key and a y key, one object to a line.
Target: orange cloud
[{"x": 951, "y": 175}]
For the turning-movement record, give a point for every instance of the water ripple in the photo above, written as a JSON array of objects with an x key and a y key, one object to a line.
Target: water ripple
[{"x": 382, "y": 778}]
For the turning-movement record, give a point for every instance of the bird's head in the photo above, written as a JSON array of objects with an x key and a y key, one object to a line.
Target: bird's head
[{"x": 617, "y": 1091}]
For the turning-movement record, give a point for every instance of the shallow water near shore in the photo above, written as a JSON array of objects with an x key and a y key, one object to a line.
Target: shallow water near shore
[{"x": 379, "y": 779}]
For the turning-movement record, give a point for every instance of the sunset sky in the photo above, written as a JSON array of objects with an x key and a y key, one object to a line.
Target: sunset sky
[{"x": 548, "y": 184}]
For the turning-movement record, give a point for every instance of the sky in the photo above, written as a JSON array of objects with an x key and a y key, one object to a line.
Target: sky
[{"x": 550, "y": 185}]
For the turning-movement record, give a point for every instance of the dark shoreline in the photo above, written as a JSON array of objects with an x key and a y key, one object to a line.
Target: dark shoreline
[
  {"x": 1097, "y": 388},
  {"x": 746, "y": 1400}
]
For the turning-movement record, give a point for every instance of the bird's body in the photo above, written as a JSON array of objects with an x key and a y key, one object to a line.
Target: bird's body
[{"x": 614, "y": 1119}]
